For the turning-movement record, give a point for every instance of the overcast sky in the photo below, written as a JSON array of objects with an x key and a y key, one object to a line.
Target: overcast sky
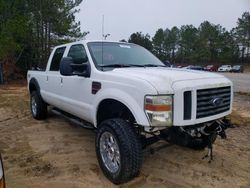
[{"x": 123, "y": 17}]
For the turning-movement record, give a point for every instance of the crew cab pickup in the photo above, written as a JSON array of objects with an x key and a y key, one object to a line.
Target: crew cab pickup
[{"x": 131, "y": 99}]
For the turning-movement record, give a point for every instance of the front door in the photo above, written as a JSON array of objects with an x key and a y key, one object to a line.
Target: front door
[{"x": 76, "y": 90}]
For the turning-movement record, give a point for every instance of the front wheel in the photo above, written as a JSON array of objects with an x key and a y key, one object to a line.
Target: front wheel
[{"x": 118, "y": 150}]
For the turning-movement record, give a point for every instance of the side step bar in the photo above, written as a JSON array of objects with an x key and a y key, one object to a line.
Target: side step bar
[{"x": 73, "y": 119}]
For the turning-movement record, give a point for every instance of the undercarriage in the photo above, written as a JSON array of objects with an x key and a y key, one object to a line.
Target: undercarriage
[{"x": 197, "y": 137}]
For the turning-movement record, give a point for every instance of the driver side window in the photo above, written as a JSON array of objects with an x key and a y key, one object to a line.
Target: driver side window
[{"x": 78, "y": 53}]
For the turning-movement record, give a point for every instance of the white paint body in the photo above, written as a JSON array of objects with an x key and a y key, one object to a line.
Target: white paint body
[{"x": 127, "y": 85}]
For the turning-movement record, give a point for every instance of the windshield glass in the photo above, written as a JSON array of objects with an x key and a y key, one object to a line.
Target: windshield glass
[
  {"x": 115, "y": 55},
  {"x": 236, "y": 66}
]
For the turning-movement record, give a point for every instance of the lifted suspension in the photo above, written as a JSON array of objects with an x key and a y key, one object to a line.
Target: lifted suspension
[{"x": 196, "y": 137}]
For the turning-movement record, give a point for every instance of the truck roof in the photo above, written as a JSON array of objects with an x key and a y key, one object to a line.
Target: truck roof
[{"x": 87, "y": 41}]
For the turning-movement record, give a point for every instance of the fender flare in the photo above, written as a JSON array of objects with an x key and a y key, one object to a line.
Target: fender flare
[
  {"x": 126, "y": 99},
  {"x": 34, "y": 82}
]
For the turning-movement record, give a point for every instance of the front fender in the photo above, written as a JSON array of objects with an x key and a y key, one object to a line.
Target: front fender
[{"x": 124, "y": 98}]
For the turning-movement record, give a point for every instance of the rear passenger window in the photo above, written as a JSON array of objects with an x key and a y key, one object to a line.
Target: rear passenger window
[
  {"x": 55, "y": 63},
  {"x": 78, "y": 53}
]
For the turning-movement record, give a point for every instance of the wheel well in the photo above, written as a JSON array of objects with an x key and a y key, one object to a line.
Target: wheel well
[
  {"x": 110, "y": 108},
  {"x": 32, "y": 87}
]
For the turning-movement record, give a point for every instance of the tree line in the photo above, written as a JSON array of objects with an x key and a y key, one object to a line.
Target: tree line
[
  {"x": 209, "y": 43},
  {"x": 30, "y": 28}
]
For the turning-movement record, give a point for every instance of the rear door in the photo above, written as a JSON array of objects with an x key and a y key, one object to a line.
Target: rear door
[{"x": 53, "y": 88}]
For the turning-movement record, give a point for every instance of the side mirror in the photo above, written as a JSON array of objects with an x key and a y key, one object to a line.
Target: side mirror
[
  {"x": 65, "y": 66},
  {"x": 69, "y": 68}
]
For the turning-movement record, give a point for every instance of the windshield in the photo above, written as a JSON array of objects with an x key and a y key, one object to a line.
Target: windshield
[
  {"x": 236, "y": 66},
  {"x": 117, "y": 55}
]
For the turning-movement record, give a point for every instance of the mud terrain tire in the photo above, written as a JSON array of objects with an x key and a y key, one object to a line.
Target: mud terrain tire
[
  {"x": 129, "y": 150},
  {"x": 37, "y": 106}
]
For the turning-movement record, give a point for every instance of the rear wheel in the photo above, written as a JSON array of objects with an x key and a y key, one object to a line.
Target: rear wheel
[
  {"x": 118, "y": 150},
  {"x": 37, "y": 106}
]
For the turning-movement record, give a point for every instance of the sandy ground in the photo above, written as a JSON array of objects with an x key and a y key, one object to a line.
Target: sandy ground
[{"x": 57, "y": 154}]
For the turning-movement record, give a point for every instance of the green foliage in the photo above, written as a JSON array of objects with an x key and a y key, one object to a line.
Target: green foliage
[
  {"x": 142, "y": 40},
  {"x": 188, "y": 43},
  {"x": 158, "y": 44},
  {"x": 171, "y": 42},
  {"x": 30, "y": 28},
  {"x": 242, "y": 36},
  {"x": 13, "y": 28},
  {"x": 208, "y": 43}
]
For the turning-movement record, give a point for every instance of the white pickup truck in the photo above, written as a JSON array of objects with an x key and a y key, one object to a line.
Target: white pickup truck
[{"x": 131, "y": 100}]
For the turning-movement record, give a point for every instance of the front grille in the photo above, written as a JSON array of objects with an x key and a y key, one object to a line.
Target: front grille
[
  {"x": 213, "y": 101},
  {"x": 187, "y": 96}
]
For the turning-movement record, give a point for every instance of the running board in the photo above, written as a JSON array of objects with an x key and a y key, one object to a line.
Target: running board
[{"x": 73, "y": 119}]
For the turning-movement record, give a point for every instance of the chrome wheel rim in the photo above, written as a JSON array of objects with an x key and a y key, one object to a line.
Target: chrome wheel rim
[
  {"x": 33, "y": 106},
  {"x": 110, "y": 152}
]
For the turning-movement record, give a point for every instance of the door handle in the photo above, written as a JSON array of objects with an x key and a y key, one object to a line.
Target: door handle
[{"x": 61, "y": 80}]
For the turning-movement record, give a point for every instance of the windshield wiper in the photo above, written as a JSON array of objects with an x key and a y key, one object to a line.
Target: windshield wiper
[
  {"x": 130, "y": 65},
  {"x": 154, "y": 65},
  {"x": 136, "y": 65},
  {"x": 121, "y": 65},
  {"x": 115, "y": 65}
]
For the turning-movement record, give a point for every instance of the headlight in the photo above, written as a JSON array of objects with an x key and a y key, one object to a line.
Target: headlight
[{"x": 159, "y": 110}]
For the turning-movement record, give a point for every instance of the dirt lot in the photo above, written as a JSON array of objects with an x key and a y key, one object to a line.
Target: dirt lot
[
  {"x": 241, "y": 81},
  {"x": 55, "y": 153}
]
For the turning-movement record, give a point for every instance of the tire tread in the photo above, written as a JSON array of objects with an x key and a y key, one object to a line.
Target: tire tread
[
  {"x": 41, "y": 106},
  {"x": 130, "y": 148}
]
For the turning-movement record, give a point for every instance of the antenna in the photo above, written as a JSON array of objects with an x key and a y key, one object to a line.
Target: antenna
[
  {"x": 102, "y": 37},
  {"x": 102, "y": 26}
]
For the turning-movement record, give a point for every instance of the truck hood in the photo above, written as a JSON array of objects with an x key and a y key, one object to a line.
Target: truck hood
[{"x": 161, "y": 78}]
